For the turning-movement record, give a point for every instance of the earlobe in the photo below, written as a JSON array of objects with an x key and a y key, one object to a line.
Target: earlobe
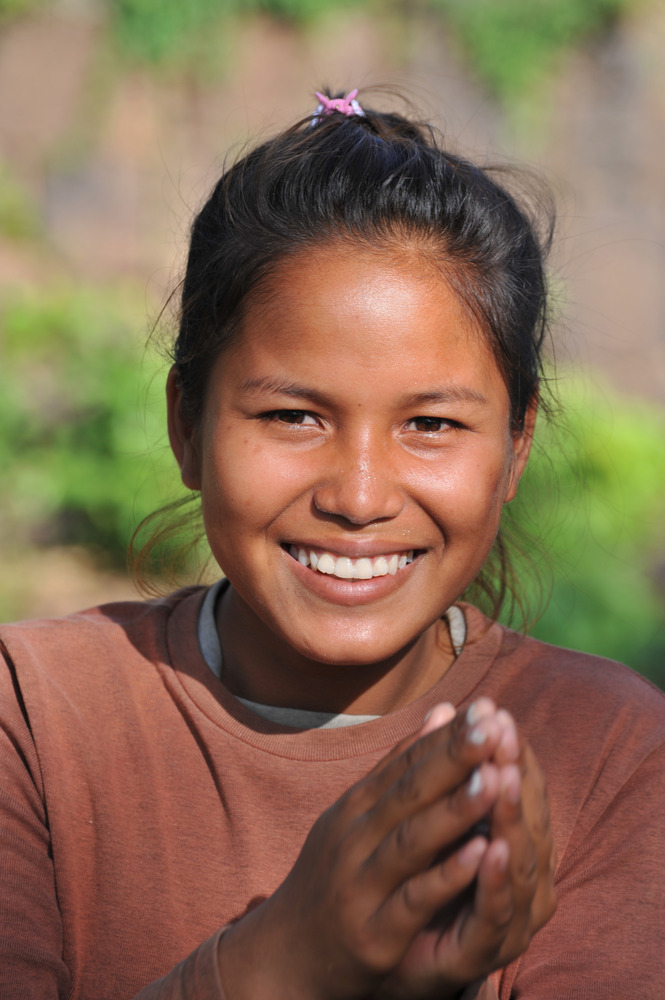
[
  {"x": 181, "y": 436},
  {"x": 522, "y": 442}
]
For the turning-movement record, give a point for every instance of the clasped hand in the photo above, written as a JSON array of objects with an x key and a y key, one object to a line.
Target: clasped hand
[{"x": 431, "y": 872}]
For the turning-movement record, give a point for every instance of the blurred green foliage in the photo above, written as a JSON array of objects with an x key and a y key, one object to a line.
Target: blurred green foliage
[
  {"x": 191, "y": 35},
  {"x": 511, "y": 43},
  {"x": 19, "y": 217},
  {"x": 78, "y": 405},
  {"x": 592, "y": 499},
  {"x": 84, "y": 453},
  {"x": 160, "y": 31},
  {"x": 12, "y": 8}
]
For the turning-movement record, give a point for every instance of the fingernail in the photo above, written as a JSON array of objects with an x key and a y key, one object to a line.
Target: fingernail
[
  {"x": 509, "y": 744},
  {"x": 477, "y": 735},
  {"x": 511, "y": 783},
  {"x": 479, "y": 710},
  {"x": 446, "y": 709},
  {"x": 501, "y": 856},
  {"x": 475, "y": 784},
  {"x": 472, "y": 852}
]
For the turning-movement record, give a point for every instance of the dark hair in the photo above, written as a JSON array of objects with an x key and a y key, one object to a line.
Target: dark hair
[{"x": 376, "y": 181}]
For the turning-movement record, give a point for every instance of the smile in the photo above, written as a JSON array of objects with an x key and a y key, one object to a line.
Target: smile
[{"x": 345, "y": 568}]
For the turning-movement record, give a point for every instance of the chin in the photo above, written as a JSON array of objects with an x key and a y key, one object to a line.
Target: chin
[{"x": 357, "y": 650}]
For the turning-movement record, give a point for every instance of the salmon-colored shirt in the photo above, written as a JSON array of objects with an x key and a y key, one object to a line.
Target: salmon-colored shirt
[{"x": 142, "y": 807}]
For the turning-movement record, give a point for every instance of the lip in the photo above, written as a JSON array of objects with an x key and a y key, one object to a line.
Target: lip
[
  {"x": 349, "y": 593},
  {"x": 355, "y": 549}
]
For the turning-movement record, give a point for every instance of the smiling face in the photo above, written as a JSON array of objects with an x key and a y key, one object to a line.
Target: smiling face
[{"x": 353, "y": 459}]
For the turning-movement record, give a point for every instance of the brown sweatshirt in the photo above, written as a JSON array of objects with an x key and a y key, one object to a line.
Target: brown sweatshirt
[{"x": 142, "y": 807}]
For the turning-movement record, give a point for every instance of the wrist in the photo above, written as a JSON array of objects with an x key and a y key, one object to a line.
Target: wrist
[{"x": 256, "y": 961}]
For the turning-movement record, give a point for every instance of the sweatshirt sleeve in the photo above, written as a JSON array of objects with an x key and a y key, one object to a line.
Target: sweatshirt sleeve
[
  {"x": 31, "y": 935},
  {"x": 196, "y": 978},
  {"x": 606, "y": 937},
  {"x": 32, "y": 966}
]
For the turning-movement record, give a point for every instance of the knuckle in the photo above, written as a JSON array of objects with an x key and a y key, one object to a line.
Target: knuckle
[
  {"x": 528, "y": 868},
  {"x": 346, "y": 898},
  {"x": 405, "y": 839},
  {"x": 502, "y": 918},
  {"x": 412, "y": 755},
  {"x": 355, "y": 800},
  {"x": 411, "y": 898},
  {"x": 407, "y": 788},
  {"x": 526, "y": 882},
  {"x": 372, "y": 951}
]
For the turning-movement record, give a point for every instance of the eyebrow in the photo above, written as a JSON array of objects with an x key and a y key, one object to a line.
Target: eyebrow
[
  {"x": 440, "y": 394},
  {"x": 445, "y": 394},
  {"x": 283, "y": 387}
]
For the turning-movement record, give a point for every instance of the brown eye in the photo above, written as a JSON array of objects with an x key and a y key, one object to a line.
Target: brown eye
[
  {"x": 292, "y": 416},
  {"x": 428, "y": 424}
]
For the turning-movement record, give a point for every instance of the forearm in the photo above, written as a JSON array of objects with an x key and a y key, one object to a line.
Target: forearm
[{"x": 196, "y": 978}]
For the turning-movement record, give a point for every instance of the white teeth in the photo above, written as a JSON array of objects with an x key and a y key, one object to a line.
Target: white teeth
[
  {"x": 380, "y": 567},
  {"x": 363, "y": 569},
  {"x": 343, "y": 568},
  {"x": 346, "y": 568},
  {"x": 326, "y": 564}
]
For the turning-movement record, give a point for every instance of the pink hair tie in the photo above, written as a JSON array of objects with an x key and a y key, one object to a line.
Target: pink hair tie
[{"x": 345, "y": 105}]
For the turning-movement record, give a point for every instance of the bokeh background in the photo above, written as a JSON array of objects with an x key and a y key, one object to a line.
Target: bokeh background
[{"x": 115, "y": 119}]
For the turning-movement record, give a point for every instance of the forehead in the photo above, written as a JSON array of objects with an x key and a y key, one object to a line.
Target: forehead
[{"x": 348, "y": 311}]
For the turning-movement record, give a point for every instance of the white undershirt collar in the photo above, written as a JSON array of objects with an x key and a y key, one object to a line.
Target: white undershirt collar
[{"x": 298, "y": 718}]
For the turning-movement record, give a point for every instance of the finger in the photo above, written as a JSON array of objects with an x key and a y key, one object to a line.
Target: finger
[
  {"x": 437, "y": 718},
  {"x": 430, "y": 769},
  {"x": 480, "y": 709},
  {"x": 483, "y": 927},
  {"x": 417, "y": 900},
  {"x": 535, "y": 806},
  {"x": 508, "y": 822},
  {"x": 413, "y": 845},
  {"x": 510, "y": 747}
]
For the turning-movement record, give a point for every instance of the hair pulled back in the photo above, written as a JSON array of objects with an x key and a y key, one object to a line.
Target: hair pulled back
[{"x": 375, "y": 181}]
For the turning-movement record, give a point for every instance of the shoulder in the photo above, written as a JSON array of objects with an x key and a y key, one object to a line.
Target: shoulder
[
  {"x": 592, "y": 722},
  {"x": 587, "y": 685},
  {"x": 99, "y": 624},
  {"x": 559, "y": 683},
  {"x": 93, "y": 648}
]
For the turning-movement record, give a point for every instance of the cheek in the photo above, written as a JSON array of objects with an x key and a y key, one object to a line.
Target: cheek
[
  {"x": 466, "y": 495},
  {"x": 246, "y": 486}
]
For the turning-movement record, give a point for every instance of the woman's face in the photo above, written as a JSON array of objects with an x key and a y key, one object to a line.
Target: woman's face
[{"x": 354, "y": 454}]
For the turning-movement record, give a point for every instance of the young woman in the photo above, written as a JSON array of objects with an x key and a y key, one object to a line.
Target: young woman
[{"x": 324, "y": 777}]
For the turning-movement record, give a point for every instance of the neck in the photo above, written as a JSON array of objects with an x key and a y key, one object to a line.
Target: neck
[{"x": 260, "y": 666}]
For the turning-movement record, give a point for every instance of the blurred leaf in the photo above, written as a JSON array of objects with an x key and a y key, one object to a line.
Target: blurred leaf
[
  {"x": 593, "y": 497},
  {"x": 76, "y": 421},
  {"x": 12, "y": 8},
  {"x": 513, "y": 43},
  {"x": 18, "y": 216}
]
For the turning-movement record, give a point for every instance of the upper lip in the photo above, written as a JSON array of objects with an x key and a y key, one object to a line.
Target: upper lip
[{"x": 356, "y": 549}]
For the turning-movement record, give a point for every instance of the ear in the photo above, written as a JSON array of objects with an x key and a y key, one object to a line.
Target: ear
[
  {"x": 521, "y": 444},
  {"x": 181, "y": 436}
]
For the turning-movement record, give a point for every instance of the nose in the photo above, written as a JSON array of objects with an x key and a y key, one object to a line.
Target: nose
[{"x": 359, "y": 485}]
